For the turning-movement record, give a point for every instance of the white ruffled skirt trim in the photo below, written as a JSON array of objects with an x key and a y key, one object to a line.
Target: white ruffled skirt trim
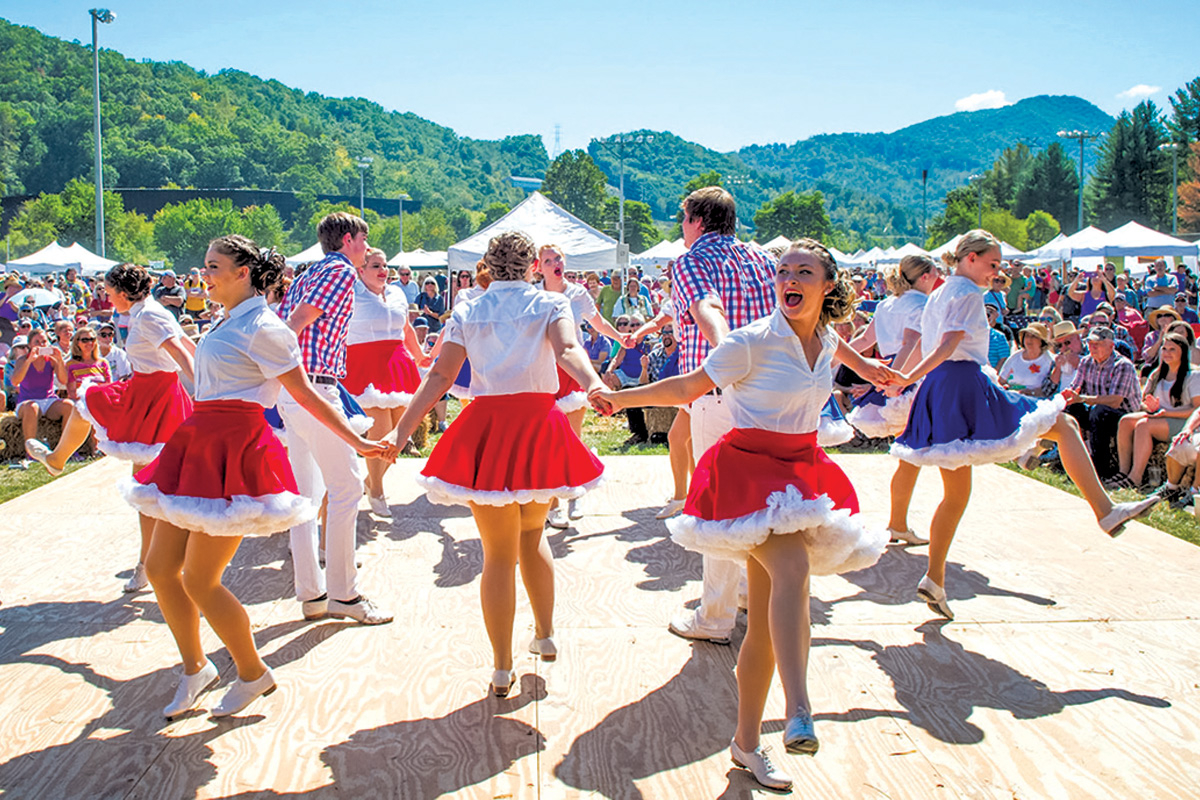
[
  {"x": 834, "y": 538},
  {"x": 953, "y": 455},
  {"x": 373, "y": 398},
  {"x": 833, "y": 432},
  {"x": 572, "y": 402},
  {"x": 360, "y": 424},
  {"x": 133, "y": 452},
  {"x": 241, "y": 516},
  {"x": 889, "y": 419},
  {"x": 449, "y": 494}
]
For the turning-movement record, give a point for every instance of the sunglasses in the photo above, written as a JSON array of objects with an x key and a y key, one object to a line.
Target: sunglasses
[
  {"x": 86, "y": 339},
  {"x": 106, "y": 335}
]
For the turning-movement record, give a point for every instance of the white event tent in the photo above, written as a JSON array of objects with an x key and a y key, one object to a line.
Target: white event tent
[
  {"x": 660, "y": 254},
  {"x": 1134, "y": 239},
  {"x": 309, "y": 256},
  {"x": 778, "y": 241},
  {"x": 420, "y": 259},
  {"x": 56, "y": 258},
  {"x": 545, "y": 222}
]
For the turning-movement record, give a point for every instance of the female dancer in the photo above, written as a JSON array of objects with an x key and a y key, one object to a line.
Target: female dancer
[
  {"x": 896, "y": 328},
  {"x": 382, "y": 354},
  {"x": 511, "y": 450},
  {"x": 1170, "y": 394},
  {"x": 134, "y": 418},
  {"x": 961, "y": 417},
  {"x": 224, "y": 474},
  {"x": 766, "y": 493},
  {"x": 570, "y": 399}
]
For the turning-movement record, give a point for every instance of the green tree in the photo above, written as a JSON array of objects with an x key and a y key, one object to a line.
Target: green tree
[
  {"x": 428, "y": 229},
  {"x": 1051, "y": 184},
  {"x": 1001, "y": 181},
  {"x": 960, "y": 215},
  {"x": 640, "y": 231},
  {"x": 182, "y": 231},
  {"x": 1185, "y": 112},
  {"x": 264, "y": 225},
  {"x": 1132, "y": 179},
  {"x": 1040, "y": 227},
  {"x": 494, "y": 212},
  {"x": 709, "y": 178},
  {"x": 1001, "y": 223},
  {"x": 70, "y": 216},
  {"x": 793, "y": 215},
  {"x": 575, "y": 182}
]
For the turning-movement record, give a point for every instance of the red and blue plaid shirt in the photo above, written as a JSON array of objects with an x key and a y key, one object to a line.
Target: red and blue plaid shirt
[
  {"x": 329, "y": 286},
  {"x": 739, "y": 275}
]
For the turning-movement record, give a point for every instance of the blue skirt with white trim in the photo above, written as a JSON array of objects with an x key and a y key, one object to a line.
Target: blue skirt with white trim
[{"x": 961, "y": 417}]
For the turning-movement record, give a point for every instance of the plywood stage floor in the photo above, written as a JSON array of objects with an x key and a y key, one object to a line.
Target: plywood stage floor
[{"x": 1072, "y": 671}]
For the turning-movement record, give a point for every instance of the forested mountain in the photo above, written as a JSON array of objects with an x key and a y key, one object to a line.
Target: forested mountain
[{"x": 168, "y": 124}]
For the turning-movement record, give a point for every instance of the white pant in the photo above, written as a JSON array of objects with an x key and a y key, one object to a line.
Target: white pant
[
  {"x": 323, "y": 462},
  {"x": 711, "y": 420}
]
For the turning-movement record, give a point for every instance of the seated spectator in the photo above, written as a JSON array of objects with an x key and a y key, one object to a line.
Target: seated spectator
[
  {"x": 1049, "y": 317},
  {"x": 997, "y": 295},
  {"x": 1169, "y": 396},
  {"x": 1102, "y": 317},
  {"x": 663, "y": 360},
  {"x": 1130, "y": 294},
  {"x": 85, "y": 363},
  {"x": 20, "y": 349},
  {"x": 1028, "y": 370},
  {"x": 1161, "y": 288},
  {"x": 1159, "y": 319},
  {"x": 431, "y": 304},
  {"x": 1104, "y": 389},
  {"x": 34, "y": 377},
  {"x": 999, "y": 343},
  {"x": 64, "y": 329},
  {"x": 1126, "y": 315},
  {"x": 599, "y": 348},
  {"x": 625, "y": 370},
  {"x": 1183, "y": 453},
  {"x": 1068, "y": 351},
  {"x": 1185, "y": 312},
  {"x": 591, "y": 280},
  {"x": 118, "y": 361}
]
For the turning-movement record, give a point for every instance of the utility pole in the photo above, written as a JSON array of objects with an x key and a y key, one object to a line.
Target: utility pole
[
  {"x": 1081, "y": 136},
  {"x": 98, "y": 15},
  {"x": 619, "y": 141}
]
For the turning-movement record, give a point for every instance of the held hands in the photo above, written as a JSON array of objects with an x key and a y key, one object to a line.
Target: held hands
[
  {"x": 604, "y": 400},
  {"x": 381, "y": 449},
  {"x": 882, "y": 375}
]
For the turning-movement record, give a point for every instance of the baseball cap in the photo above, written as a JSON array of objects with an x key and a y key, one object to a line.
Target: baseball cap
[
  {"x": 20, "y": 341},
  {"x": 1101, "y": 333}
]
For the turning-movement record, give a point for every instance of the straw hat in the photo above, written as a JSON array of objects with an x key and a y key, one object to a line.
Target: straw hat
[
  {"x": 1160, "y": 311},
  {"x": 1064, "y": 330},
  {"x": 1039, "y": 330}
]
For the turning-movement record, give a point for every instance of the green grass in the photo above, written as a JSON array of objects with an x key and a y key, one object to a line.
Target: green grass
[{"x": 16, "y": 482}]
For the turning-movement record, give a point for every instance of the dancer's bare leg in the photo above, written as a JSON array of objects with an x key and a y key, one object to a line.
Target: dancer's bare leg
[
  {"x": 537, "y": 567},
  {"x": 903, "y": 484},
  {"x": 956, "y": 492}
]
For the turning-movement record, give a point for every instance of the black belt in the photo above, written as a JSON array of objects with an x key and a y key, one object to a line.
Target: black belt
[{"x": 323, "y": 380}]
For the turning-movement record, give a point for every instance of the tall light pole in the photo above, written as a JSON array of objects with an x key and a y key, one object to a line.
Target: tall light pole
[
  {"x": 364, "y": 163},
  {"x": 1082, "y": 136},
  {"x": 620, "y": 140},
  {"x": 402, "y": 198},
  {"x": 978, "y": 180},
  {"x": 98, "y": 15},
  {"x": 1174, "y": 148}
]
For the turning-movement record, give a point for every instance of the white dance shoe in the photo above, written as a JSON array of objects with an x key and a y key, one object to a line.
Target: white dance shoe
[
  {"x": 243, "y": 693},
  {"x": 190, "y": 688},
  {"x": 544, "y": 648},
  {"x": 558, "y": 517},
  {"x": 672, "y": 508},
  {"x": 502, "y": 681},
  {"x": 1114, "y": 522},
  {"x": 758, "y": 761},
  {"x": 934, "y": 597},
  {"x": 138, "y": 581},
  {"x": 379, "y": 506},
  {"x": 908, "y": 536}
]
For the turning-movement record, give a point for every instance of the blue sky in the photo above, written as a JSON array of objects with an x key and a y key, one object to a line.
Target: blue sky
[{"x": 722, "y": 74}]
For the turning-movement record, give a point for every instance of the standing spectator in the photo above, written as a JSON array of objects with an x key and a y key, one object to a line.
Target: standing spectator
[
  {"x": 1161, "y": 288},
  {"x": 51, "y": 285},
  {"x": 1105, "y": 388},
  {"x": 1017, "y": 295},
  {"x": 169, "y": 293},
  {"x": 407, "y": 284},
  {"x": 997, "y": 295},
  {"x": 591, "y": 282},
  {"x": 607, "y": 297},
  {"x": 76, "y": 291},
  {"x": 9, "y": 313},
  {"x": 318, "y": 308},
  {"x": 195, "y": 292},
  {"x": 1181, "y": 277},
  {"x": 118, "y": 360},
  {"x": 719, "y": 285},
  {"x": 999, "y": 344},
  {"x": 632, "y": 303},
  {"x": 431, "y": 304}
]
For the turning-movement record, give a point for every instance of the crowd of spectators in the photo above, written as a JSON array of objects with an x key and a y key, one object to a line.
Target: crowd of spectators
[{"x": 1118, "y": 346}]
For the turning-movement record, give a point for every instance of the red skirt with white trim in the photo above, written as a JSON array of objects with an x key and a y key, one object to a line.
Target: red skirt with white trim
[
  {"x": 381, "y": 374},
  {"x": 570, "y": 396},
  {"x": 511, "y": 448},
  {"x": 135, "y": 417},
  {"x": 754, "y": 483},
  {"x": 223, "y": 473}
]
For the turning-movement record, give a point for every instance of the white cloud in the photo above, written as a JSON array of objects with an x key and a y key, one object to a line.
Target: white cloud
[
  {"x": 993, "y": 98},
  {"x": 1139, "y": 92}
]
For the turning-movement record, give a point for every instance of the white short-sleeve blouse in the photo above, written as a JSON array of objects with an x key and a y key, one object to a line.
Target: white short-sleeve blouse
[
  {"x": 956, "y": 305},
  {"x": 242, "y": 356},
  {"x": 376, "y": 318},
  {"x": 150, "y": 325}
]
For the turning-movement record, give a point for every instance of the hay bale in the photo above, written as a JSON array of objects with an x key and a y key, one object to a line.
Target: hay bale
[
  {"x": 12, "y": 441},
  {"x": 659, "y": 420},
  {"x": 421, "y": 435}
]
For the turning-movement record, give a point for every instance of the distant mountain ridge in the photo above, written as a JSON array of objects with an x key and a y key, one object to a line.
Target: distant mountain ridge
[{"x": 169, "y": 124}]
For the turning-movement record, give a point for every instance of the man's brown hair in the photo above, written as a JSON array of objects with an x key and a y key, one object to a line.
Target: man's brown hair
[
  {"x": 716, "y": 207},
  {"x": 333, "y": 228}
]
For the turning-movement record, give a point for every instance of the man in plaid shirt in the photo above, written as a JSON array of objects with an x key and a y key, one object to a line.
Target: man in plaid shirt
[
  {"x": 720, "y": 284},
  {"x": 317, "y": 307},
  {"x": 1105, "y": 389}
]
